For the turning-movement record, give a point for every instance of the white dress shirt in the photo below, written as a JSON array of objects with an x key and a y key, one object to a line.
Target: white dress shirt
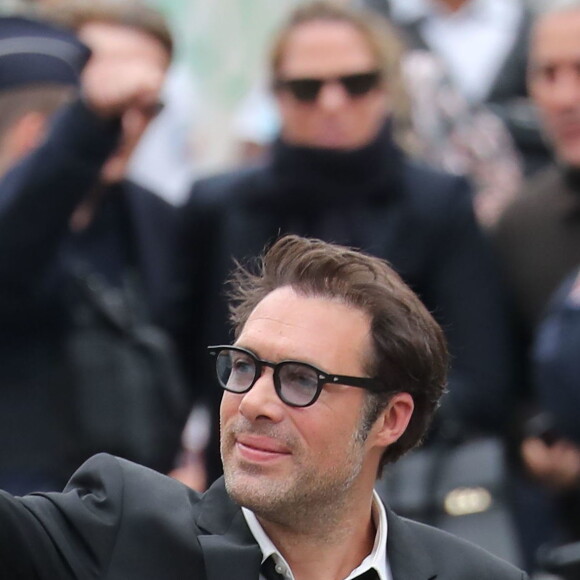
[{"x": 377, "y": 559}]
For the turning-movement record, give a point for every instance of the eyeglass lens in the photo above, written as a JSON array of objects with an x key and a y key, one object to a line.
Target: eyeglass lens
[
  {"x": 307, "y": 90},
  {"x": 236, "y": 370},
  {"x": 298, "y": 383}
]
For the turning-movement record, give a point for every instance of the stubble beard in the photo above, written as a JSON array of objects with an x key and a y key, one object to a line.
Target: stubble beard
[{"x": 307, "y": 499}]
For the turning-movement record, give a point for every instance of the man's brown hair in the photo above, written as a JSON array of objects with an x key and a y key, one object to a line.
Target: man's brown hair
[
  {"x": 74, "y": 14},
  {"x": 409, "y": 349},
  {"x": 381, "y": 37}
]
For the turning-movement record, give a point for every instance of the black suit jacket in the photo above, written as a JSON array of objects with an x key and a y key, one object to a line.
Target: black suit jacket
[{"x": 119, "y": 521}]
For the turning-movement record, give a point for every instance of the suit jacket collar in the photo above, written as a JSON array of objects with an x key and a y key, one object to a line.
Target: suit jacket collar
[
  {"x": 407, "y": 558},
  {"x": 230, "y": 550}
]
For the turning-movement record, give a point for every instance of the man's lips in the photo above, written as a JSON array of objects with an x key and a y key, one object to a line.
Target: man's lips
[
  {"x": 260, "y": 448},
  {"x": 569, "y": 131},
  {"x": 566, "y": 128}
]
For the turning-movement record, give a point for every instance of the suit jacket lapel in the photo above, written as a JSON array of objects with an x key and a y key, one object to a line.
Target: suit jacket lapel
[
  {"x": 229, "y": 548},
  {"x": 407, "y": 558}
]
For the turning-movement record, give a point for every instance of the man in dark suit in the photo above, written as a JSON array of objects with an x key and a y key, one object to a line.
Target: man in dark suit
[
  {"x": 86, "y": 276},
  {"x": 336, "y": 370}
]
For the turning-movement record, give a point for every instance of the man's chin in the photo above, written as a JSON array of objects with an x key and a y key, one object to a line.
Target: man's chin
[
  {"x": 338, "y": 143},
  {"x": 252, "y": 491},
  {"x": 247, "y": 475}
]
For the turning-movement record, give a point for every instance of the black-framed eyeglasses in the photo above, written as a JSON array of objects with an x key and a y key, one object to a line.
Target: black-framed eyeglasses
[
  {"x": 307, "y": 90},
  {"x": 298, "y": 384}
]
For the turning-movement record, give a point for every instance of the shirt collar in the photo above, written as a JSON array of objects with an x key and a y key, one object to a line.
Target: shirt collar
[{"x": 377, "y": 559}]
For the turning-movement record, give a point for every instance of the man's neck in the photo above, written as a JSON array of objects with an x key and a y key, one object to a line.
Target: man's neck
[{"x": 326, "y": 551}]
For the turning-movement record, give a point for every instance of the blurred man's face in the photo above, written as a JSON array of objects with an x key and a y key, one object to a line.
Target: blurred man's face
[
  {"x": 334, "y": 118},
  {"x": 554, "y": 80},
  {"x": 116, "y": 49}
]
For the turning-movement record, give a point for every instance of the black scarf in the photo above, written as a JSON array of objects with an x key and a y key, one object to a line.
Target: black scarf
[{"x": 309, "y": 178}]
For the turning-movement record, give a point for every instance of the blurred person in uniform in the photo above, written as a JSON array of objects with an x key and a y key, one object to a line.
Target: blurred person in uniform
[
  {"x": 87, "y": 285},
  {"x": 40, "y": 69},
  {"x": 538, "y": 240},
  {"x": 336, "y": 173}
]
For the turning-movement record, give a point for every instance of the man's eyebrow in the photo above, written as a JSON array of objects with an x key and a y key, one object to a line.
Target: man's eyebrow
[
  {"x": 284, "y": 359},
  {"x": 250, "y": 350}
]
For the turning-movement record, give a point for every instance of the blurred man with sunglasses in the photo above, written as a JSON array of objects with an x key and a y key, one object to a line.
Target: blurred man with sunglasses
[
  {"x": 336, "y": 371},
  {"x": 336, "y": 173},
  {"x": 86, "y": 278}
]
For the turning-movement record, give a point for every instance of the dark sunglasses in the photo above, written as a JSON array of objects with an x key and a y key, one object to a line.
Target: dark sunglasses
[
  {"x": 307, "y": 90},
  {"x": 298, "y": 384}
]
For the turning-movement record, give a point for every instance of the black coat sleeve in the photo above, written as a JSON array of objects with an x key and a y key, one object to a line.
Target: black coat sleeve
[
  {"x": 115, "y": 520},
  {"x": 39, "y": 195},
  {"x": 64, "y": 536}
]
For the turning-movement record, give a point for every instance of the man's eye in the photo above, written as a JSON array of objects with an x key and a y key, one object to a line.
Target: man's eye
[
  {"x": 546, "y": 73},
  {"x": 303, "y": 378},
  {"x": 242, "y": 365}
]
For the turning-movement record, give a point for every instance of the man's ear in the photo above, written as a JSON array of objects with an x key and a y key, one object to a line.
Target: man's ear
[
  {"x": 394, "y": 419},
  {"x": 26, "y": 134}
]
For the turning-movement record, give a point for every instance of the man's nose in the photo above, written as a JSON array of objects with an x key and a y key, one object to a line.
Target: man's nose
[
  {"x": 332, "y": 96},
  {"x": 262, "y": 400}
]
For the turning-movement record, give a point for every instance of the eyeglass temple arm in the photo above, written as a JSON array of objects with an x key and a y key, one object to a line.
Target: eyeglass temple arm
[{"x": 362, "y": 382}]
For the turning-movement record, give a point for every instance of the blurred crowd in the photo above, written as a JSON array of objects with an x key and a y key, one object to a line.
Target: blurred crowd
[{"x": 441, "y": 135}]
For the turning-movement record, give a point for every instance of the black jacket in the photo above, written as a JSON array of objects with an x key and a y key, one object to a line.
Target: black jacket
[{"x": 120, "y": 521}]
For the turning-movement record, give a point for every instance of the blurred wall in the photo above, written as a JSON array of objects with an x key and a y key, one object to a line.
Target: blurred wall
[{"x": 223, "y": 43}]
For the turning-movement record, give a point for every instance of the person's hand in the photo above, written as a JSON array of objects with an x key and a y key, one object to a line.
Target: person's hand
[
  {"x": 557, "y": 465},
  {"x": 111, "y": 88}
]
